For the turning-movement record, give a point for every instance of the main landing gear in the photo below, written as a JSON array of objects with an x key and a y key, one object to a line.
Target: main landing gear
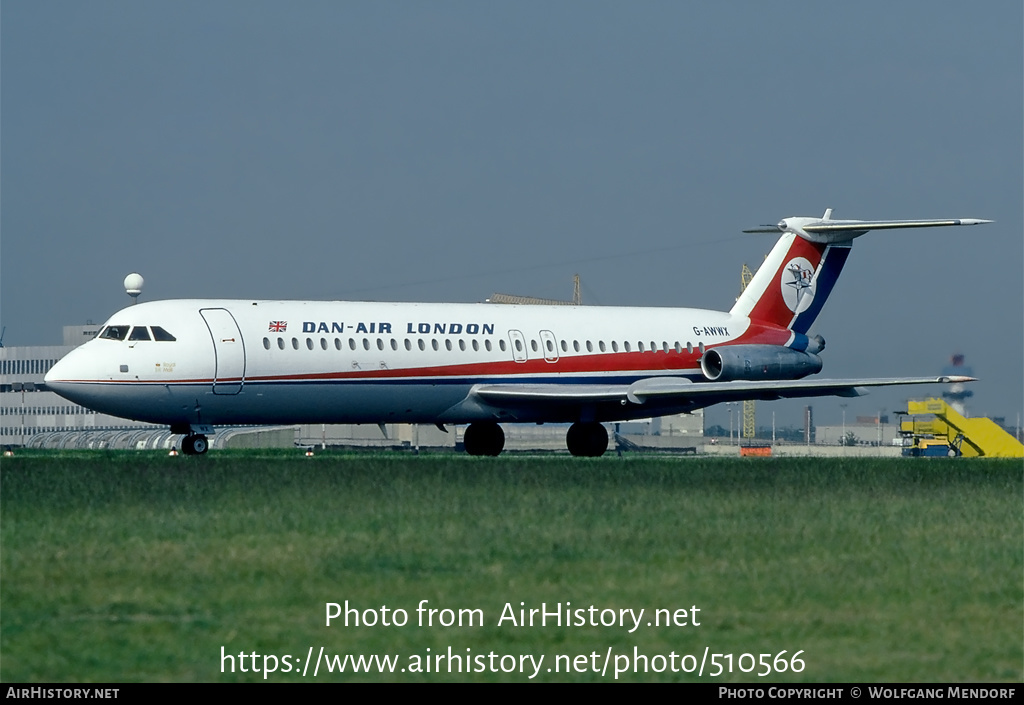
[
  {"x": 588, "y": 440},
  {"x": 194, "y": 444},
  {"x": 483, "y": 438}
]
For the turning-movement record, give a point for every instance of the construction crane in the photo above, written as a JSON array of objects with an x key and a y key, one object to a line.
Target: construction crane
[
  {"x": 577, "y": 300},
  {"x": 749, "y": 408}
]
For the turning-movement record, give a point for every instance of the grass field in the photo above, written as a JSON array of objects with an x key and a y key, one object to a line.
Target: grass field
[{"x": 138, "y": 567}]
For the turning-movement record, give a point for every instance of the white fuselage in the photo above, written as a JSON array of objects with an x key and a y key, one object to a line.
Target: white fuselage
[{"x": 270, "y": 362}]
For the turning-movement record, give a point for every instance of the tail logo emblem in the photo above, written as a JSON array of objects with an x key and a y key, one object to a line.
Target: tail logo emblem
[{"x": 798, "y": 284}]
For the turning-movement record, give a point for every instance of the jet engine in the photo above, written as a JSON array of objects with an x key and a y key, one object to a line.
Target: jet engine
[{"x": 757, "y": 362}]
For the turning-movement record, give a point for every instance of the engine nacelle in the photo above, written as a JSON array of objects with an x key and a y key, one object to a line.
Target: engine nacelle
[{"x": 754, "y": 362}]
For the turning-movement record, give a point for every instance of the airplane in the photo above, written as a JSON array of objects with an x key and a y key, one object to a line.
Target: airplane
[{"x": 197, "y": 364}]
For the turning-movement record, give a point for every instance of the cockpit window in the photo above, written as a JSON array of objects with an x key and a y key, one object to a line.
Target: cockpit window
[
  {"x": 114, "y": 332},
  {"x": 139, "y": 333},
  {"x": 160, "y": 334}
]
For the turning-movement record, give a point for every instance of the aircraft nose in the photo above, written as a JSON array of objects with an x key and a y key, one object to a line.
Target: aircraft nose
[
  {"x": 52, "y": 374},
  {"x": 55, "y": 375},
  {"x": 61, "y": 377}
]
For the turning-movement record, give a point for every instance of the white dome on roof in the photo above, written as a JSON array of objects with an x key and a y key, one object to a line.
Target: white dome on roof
[{"x": 133, "y": 284}]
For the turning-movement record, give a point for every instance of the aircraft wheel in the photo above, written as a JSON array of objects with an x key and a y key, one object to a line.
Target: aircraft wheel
[
  {"x": 195, "y": 444},
  {"x": 588, "y": 440},
  {"x": 483, "y": 438}
]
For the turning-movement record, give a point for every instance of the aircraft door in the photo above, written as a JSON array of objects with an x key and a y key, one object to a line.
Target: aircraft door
[
  {"x": 518, "y": 341},
  {"x": 228, "y": 350},
  {"x": 550, "y": 345}
]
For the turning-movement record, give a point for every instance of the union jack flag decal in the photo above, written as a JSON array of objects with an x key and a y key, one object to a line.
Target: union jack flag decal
[{"x": 278, "y": 326}]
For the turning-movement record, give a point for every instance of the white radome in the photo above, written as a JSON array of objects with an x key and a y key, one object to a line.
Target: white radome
[{"x": 133, "y": 284}]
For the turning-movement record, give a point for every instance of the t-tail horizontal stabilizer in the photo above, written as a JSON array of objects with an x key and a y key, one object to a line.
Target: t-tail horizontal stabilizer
[
  {"x": 827, "y": 231},
  {"x": 792, "y": 284}
]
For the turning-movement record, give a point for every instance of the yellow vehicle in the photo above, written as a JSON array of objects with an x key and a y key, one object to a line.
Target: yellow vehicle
[{"x": 970, "y": 437}]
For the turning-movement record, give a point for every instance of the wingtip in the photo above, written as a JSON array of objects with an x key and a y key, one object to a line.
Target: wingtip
[{"x": 956, "y": 379}]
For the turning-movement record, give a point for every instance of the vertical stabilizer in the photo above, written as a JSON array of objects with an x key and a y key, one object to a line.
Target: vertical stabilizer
[{"x": 792, "y": 284}]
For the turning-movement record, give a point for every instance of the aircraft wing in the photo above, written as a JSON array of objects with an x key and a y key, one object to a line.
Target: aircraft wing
[{"x": 698, "y": 394}]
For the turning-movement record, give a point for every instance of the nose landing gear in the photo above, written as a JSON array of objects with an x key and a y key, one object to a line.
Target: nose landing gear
[
  {"x": 195, "y": 441},
  {"x": 194, "y": 444}
]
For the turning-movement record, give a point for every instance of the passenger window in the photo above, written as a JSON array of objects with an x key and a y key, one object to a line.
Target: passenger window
[
  {"x": 266, "y": 343},
  {"x": 162, "y": 335},
  {"x": 309, "y": 343},
  {"x": 590, "y": 346},
  {"x": 380, "y": 344},
  {"x": 433, "y": 343},
  {"x": 394, "y": 344},
  {"x": 295, "y": 343},
  {"x": 487, "y": 345},
  {"x": 408, "y": 344},
  {"x": 448, "y": 345},
  {"x": 420, "y": 343},
  {"x": 139, "y": 333},
  {"x": 323, "y": 343},
  {"x": 476, "y": 346},
  {"x": 337, "y": 343},
  {"x": 462, "y": 344},
  {"x": 280, "y": 343},
  {"x": 501, "y": 344},
  {"x": 600, "y": 346},
  {"x": 366, "y": 343},
  {"x": 615, "y": 346}
]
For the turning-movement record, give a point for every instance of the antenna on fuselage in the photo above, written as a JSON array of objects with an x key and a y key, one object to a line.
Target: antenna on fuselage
[{"x": 133, "y": 286}]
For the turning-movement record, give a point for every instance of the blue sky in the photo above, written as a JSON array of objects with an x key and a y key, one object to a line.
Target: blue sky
[{"x": 443, "y": 151}]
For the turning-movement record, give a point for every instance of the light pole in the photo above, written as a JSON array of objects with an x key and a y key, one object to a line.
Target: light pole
[
  {"x": 730, "y": 404},
  {"x": 842, "y": 440}
]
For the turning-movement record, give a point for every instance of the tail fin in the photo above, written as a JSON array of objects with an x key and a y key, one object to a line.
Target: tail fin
[{"x": 792, "y": 284}]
